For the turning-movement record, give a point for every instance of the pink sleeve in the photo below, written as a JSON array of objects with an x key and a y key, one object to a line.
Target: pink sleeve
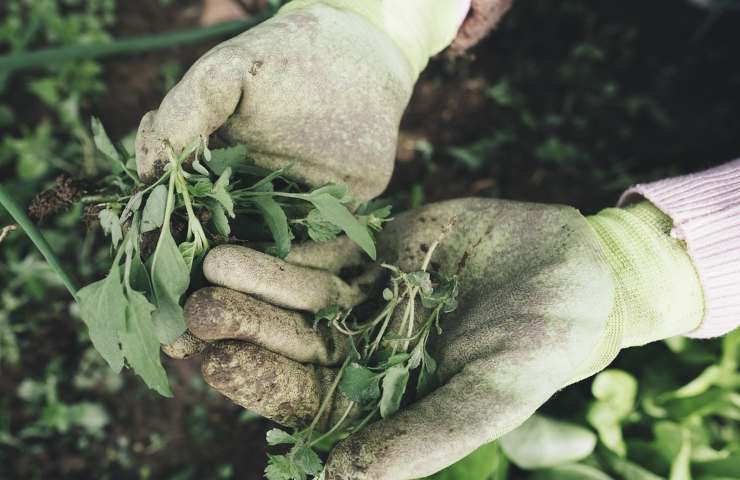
[{"x": 705, "y": 208}]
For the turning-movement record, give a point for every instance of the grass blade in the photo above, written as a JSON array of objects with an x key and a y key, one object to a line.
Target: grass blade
[{"x": 19, "y": 215}]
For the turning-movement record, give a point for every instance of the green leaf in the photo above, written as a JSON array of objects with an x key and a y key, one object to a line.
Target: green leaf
[
  {"x": 328, "y": 313},
  {"x": 111, "y": 225},
  {"x": 220, "y": 193},
  {"x": 319, "y": 228},
  {"x": 232, "y": 157},
  {"x": 307, "y": 460},
  {"x": 673, "y": 442},
  {"x": 374, "y": 214},
  {"x": 218, "y": 218},
  {"x": 427, "y": 378},
  {"x": 338, "y": 191},
  {"x": 139, "y": 276},
  {"x": 140, "y": 344},
  {"x": 188, "y": 250},
  {"x": 170, "y": 279},
  {"x": 332, "y": 210},
  {"x": 486, "y": 463},
  {"x": 445, "y": 294},
  {"x": 154, "y": 210},
  {"x": 394, "y": 386},
  {"x": 360, "y": 384},
  {"x": 625, "y": 468},
  {"x": 276, "y": 436},
  {"x": 617, "y": 388},
  {"x": 131, "y": 206},
  {"x": 421, "y": 280},
  {"x": 542, "y": 442},
  {"x": 277, "y": 222},
  {"x": 615, "y": 391},
  {"x": 103, "y": 309},
  {"x": 280, "y": 467},
  {"x": 102, "y": 141},
  {"x": 576, "y": 471}
]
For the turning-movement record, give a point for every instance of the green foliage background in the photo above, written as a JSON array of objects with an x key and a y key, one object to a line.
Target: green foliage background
[{"x": 567, "y": 102}]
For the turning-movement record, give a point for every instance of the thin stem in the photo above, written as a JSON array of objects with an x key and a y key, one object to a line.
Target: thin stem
[
  {"x": 37, "y": 238},
  {"x": 328, "y": 397},
  {"x": 388, "y": 311},
  {"x": 125, "y": 46},
  {"x": 336, "y": 425}
]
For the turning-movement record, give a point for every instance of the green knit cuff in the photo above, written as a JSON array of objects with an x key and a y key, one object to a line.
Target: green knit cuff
[
  {"x": 658, "y": 291},
  {"x": 418, "y": 29}
]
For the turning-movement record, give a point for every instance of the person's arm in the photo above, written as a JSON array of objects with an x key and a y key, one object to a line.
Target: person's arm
[
  {"x": 705, "y": 210},
  {"x": 482, "y": 17}
]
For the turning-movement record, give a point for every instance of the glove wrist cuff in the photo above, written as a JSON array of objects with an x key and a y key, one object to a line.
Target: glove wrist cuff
[
  {"x": 420, "y": 28},
  {"x": 658, "y": 289}
]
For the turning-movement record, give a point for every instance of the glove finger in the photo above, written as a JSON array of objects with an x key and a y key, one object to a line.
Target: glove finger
[
  {"x": 277, "y": 281},
  {"x": 216, "y": 313},
  {"x": 199, "y": 104},
  {"x": 185, "y": 346},
  {"x": 336, "y": 256},
  {"x": 266, "y": 383}
]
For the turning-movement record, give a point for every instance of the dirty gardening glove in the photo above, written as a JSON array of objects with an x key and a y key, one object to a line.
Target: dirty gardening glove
[
  {"x": 547, "y": 297},
  {"x": 321, "y": 86}
]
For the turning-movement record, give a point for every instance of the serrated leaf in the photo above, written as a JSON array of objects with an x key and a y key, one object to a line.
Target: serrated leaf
[
  {"x": 103, "y": 309},
  {"x": 277, "y": 223},
  {"x": 140, "y": 344},
  {"x": 170, "y": 278},
  {"x": 307, "y": 460},
  {"x": 359, "y": 384},
  {"x": 102, "y": 141},
  {"x": 154, "y": 209},
  {"x": 111, "y": 225},
  {"x": 394, "y": 386},
  {"x": 320, "y": 229},
  {"x": 280, "y": 467},
  {"x": 276, "y": 436}
]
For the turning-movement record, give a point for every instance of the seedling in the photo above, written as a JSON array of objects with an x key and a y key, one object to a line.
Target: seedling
[
  {"x": 375, "y": 375},
  {"x": 137, "y": 306}
]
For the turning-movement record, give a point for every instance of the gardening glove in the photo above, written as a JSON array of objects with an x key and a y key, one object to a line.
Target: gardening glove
[
  {"x": 320, "y": 86},
  {"x": 547, "y": 297}
]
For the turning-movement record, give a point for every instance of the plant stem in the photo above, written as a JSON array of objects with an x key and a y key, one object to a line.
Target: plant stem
[
  {"x": 55, "y": 56},
  {"x": 336, "y": 425},
  {"x": 37, "y": 238},
  {"x": 329, "y": 396}
]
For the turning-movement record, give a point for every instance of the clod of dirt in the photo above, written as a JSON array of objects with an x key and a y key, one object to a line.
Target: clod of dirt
[{"x": 56, "y": 199}]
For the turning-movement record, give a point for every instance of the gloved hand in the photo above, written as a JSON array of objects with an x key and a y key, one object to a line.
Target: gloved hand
[
  {"x": 547, "y": 297},
  {"x": 321, "y": 86}
]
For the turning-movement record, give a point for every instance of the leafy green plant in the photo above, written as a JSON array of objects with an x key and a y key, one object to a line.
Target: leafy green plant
[
  {"x": 375, "y": 375},
  {"x": 136, "y": 307}
]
